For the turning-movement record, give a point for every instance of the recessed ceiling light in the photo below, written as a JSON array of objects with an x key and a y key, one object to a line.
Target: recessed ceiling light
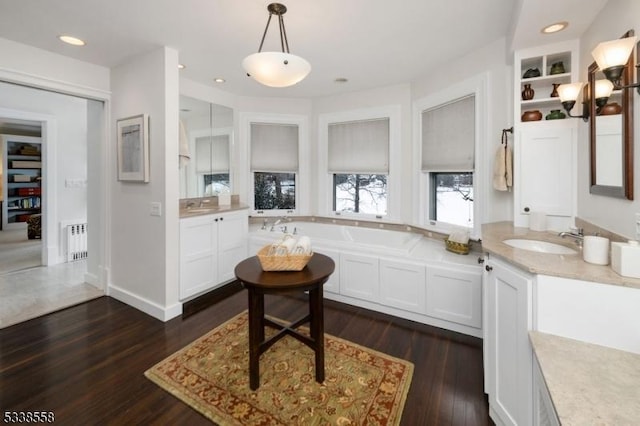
[
  {"x": 554, "y": 28},
  {"x": 340, "y": 80},
  {"x": 219, "y": 80},
  {"x": 181, "y": 66},
  {"x": 72, "y": 40}
]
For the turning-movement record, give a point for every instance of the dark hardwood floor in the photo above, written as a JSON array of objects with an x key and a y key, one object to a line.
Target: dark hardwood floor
[{"x": 86, "y": 363}]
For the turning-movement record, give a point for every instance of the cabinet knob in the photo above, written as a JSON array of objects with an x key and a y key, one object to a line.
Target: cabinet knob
[
  {"x": 480, "y": 260},
  {"x": 526, "y": 209},
  {"x": 221, "y": 219},
  {"x": 488, "y": 268},
  {"x": 216, "y": 219}
]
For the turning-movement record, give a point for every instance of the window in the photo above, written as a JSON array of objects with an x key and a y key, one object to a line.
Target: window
[
  {"x": 360, "y": 193},
  {"x": 452, "y": 198},
  {"x": 274, "y": 191},
  {"x": 274, "y": 165},
  {"x": 358, "y": 159},
  {"x": 216, "y": 183},
  {"x": 448, "y": 162},
  {"x": 212, "y": 163}
]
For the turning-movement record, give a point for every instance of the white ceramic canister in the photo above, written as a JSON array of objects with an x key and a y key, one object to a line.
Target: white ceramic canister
[
  {"x": 625, "y": 258},
  {"x": 595, "y": 250}
]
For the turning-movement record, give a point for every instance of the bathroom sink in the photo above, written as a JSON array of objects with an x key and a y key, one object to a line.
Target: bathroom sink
[{"x": 539, "y": 246}]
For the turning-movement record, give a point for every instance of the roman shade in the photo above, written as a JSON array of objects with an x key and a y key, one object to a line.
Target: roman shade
[
  {"x": 212, "y": 154},
  {"x": 359, "y": 146},
  {"x": 448, "y": 137},
  {"x": 274, "y": 147}
]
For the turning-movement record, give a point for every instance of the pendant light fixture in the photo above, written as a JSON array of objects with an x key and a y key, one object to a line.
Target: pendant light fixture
[{"x": 276, "y": 69}]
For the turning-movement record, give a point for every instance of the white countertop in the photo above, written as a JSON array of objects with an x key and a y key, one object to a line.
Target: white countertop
[
  {"x": 589, "y": 384},
  {"x": 567, "y": 266}
]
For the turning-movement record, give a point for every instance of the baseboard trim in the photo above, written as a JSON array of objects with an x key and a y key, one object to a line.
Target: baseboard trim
[
  {"x": 211, "y": 298},
  {"x": 163, "y": 313}
]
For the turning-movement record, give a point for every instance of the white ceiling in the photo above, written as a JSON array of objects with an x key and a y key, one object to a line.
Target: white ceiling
[{"x": 373, "y": 43}]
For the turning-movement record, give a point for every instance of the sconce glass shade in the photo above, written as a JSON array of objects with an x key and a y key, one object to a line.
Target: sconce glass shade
[
  {"x": 569, "y": 92},
  {"x": 603, "y": 89},
  {"x": 613, "y": 53},
  {"x": 276, "y": 69}
]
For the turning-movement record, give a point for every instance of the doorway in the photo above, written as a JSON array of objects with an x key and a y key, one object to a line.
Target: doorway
[
  {"x": 70, "y": 128},
  {"x": 20, "y": 194}
]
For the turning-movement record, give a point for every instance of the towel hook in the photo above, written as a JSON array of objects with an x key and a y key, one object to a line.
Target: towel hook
[{"x": 504, "y": 135}]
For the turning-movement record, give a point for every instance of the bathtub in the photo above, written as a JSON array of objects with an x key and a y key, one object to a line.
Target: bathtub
[{"x": 383, "y": 242}]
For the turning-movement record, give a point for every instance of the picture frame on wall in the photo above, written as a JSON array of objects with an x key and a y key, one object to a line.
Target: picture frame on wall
[{"x": 133, "y": 148}]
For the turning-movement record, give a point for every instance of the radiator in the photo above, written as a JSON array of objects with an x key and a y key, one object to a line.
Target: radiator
[{"x": 76, "y": 242}]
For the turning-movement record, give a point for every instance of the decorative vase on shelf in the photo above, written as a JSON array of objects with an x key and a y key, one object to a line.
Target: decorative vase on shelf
[
  {"x": 554, "y": 92},
  {"x": 557, "y": 68},
  {"x": 555, "y": 114},
  {"x": 528, "y": 92},
  {"x": 534, "y": 115}
]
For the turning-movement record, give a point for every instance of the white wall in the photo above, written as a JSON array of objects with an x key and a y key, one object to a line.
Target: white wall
[
  {"x": 70, "y": 114},
  {"x": 144, "y": 254},
  {"x": 616, "y": 215},
  {"x": 39, "y": 68},
  {"x": 491, "y": 59}
]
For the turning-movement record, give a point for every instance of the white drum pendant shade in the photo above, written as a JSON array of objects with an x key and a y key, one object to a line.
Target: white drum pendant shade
[{"x": 276, "y": 69}]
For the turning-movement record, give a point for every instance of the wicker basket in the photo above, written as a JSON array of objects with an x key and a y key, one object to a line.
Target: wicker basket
[
  {"x": 290, "y": 262},
  {"x": 458, "y": 248}
]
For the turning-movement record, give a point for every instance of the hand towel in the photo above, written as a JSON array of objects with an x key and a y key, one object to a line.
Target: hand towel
[
  {"x": 503, "y": 169},
  {"x": 183, "y": 146},
  {"x": 286, "y": 246},
  {"x": 461, "y": 237},
  {"x": 303, "y": 246}
]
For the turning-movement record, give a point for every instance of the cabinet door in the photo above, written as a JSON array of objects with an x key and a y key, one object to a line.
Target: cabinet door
[
  {"x": 402, "y": 285},
  {"x": 455, "y": 295},
  {"x": 359, "y": 276},
  {"x": 545, "y": 171},
  {"x": 510, "y": 368},
  {"x": 333, "y": 283},
  {"x": 544, "y": 414},
  {"x": 233, "y": 231},
  {"x": 198, "y": 255}
]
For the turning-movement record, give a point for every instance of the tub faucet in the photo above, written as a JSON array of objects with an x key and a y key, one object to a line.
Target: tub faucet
[
  {"x": 576, "y": 233},
  {"x": 278, "y": 222}
]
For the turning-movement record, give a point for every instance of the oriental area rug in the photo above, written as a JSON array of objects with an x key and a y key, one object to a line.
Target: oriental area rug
[{"x": 361, "y": 386}]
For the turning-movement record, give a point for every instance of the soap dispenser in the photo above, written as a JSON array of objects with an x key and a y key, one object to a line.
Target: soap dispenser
[{"x": 625, "y": 258}]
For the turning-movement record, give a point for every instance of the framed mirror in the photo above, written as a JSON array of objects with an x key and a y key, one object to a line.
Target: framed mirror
[
  {"x": 207, "y": 131},
  {"x": 611, "y": 136}
]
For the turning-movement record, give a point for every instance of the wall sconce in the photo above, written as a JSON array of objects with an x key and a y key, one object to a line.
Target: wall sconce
[
  {"x": 612, "y": 56},
  {"x": 276, "y": 69},
  {"x": 568, "y": 94}
]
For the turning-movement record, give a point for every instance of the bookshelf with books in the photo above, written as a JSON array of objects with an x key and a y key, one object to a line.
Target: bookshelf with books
[{"x": 21, "y": 179}]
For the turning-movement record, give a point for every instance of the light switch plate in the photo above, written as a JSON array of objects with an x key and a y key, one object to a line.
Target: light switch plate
[
  {"x": 155, "y": 208},
  {"x": 638, "y": 226}
]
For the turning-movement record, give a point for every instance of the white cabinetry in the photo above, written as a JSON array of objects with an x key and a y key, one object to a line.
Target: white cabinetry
[
  {"x": 359, "y": 276},
  {"x": 333, "y": 283},
  {"x": 545, "y": 151},
  {"x": 543, "y": 412},
  {"x": 403, "y": 285},
  {"x": 508, "y": 370},
  {"x": 210, "y": 247},
  {"x": 454, "y": 295}
]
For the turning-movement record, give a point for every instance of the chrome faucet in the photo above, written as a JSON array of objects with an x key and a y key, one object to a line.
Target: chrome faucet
[
  {"x": 278, "y": 222},
  {"x": 576, "y": 233}
]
